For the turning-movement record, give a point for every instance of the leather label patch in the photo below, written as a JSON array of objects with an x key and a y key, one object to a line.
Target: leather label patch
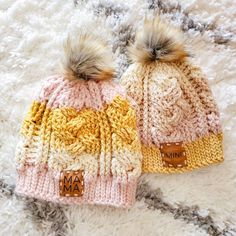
[
  {"x": 173, "y": 155},
  {"x": 71, "y": 183}
]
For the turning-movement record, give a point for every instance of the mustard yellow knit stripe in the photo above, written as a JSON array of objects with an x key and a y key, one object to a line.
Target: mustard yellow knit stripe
[
  {"x": 202, "y": 152},
  {"x": 85, "y": 131}
]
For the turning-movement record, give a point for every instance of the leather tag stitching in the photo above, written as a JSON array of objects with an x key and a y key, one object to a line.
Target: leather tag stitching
[
  {"x": 71, "y": 183},
  {"x": 173, "y": 155}
]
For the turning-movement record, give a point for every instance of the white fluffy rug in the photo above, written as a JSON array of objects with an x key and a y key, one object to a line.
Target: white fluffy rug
[{"x": 202, "y": 202}]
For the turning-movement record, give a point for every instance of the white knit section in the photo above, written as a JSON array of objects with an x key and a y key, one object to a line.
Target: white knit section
[{"x": 120, "y": 162}]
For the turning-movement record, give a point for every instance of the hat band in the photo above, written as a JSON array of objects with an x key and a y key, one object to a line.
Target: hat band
[{"x": 118, "y": 191}]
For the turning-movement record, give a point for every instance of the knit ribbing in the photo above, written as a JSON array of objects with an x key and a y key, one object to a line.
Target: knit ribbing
[
  {"x": 202, "y": 152},
  {"x": 108, "y": 190}
]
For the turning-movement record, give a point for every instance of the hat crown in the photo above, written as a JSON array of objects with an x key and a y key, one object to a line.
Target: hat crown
[
  {"x": 61, "y": 92},
  {"x": 174, "y": 98}
]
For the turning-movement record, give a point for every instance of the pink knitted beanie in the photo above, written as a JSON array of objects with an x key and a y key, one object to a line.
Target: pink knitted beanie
[
  {"x": 178, "y": 119},
  {"x": 79, "y": 142}
]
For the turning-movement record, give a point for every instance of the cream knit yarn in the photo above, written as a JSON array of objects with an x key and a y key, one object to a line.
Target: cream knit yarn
[{"x": 178, "y": 119}]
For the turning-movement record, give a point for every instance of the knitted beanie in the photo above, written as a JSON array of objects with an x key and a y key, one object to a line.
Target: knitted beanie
[
  {"x": 79, "y": 141},
  {"x": 178, "y": 119}
]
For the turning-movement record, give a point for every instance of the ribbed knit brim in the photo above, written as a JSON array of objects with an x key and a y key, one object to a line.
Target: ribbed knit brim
[
  {"x": 202, "y": 152},
  {"x": 44, "y": 184}
]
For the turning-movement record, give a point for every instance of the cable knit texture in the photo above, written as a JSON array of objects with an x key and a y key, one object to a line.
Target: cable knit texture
[
  {"x": 174, "y": 104},
  {"x": 80, "y": 125}
]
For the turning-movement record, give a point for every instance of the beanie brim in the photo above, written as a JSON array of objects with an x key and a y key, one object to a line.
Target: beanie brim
[
  {"x": 201, "y": 152},
  {"x": 107, "y": 190}
]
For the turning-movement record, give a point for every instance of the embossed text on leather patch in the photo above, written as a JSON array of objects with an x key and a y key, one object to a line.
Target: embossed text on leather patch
[
  {"x": 173, "y": 155},
  {"x": 71, "y": 183}
]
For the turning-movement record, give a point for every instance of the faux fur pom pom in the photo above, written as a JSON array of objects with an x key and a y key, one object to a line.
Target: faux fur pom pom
[
  {"x": 157, "y": 41},
  {"x": 87, "y": 57}
]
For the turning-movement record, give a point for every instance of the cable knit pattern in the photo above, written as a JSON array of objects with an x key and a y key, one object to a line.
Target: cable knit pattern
[
  {"x": 80, "y": 125},
  {"x": 174, "y": 104}
]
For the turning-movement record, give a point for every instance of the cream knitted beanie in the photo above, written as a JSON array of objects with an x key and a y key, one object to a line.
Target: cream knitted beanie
[{"x": 178, "y": 119}]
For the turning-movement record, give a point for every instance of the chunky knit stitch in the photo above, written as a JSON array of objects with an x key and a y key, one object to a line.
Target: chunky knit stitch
[
  {"x": 83, "y": 125},
  {"x": 80, "y": 125},
  {"x": 173, "y": 104}
]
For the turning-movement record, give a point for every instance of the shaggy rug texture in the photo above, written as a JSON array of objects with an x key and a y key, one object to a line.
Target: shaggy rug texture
[{"x": 201, "y": 202}]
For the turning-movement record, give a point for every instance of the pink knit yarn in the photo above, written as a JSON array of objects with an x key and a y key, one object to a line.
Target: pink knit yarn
[
  {"x": 110, "y": 177},
  {"x": 91, "y": 94},
  {"x": 173, "y": 104},
  {"x": 109, "y": 190}
]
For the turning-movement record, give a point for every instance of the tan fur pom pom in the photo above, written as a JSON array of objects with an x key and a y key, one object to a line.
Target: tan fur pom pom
[
  {"x": 87, "y": 58},
  {"x": 157, "y": 41}
]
